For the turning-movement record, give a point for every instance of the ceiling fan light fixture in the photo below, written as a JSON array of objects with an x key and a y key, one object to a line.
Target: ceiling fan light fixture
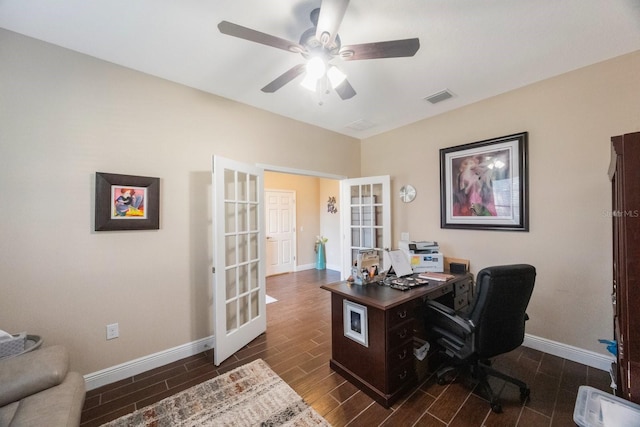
[
  {"x": 336, "y": 77},
  {"x": 309, "y": 82},
  {"x": 316, "y": 67}
]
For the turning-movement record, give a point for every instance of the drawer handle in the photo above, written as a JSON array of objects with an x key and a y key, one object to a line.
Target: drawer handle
[
  {"x": 403, "y": 354},
  {"x": 403, "y": 333},
  {"x": 402, "y": 314},
  {"x": 403, "y": 375}
]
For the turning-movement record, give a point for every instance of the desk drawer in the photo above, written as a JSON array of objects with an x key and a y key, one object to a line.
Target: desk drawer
[
  {"x": 446, "y": 289},
  {"x": 400, "y": 375},
  {"x": 401, "y": 333},
  {"x": 463, "y": 286},
  {"x": 461, "y": 301},
  {"x": 400, "y": 355},
  {"x": 399, "y": 314}
]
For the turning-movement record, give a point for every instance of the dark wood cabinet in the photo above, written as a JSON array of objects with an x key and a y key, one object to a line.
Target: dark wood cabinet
[
  {"x": 624, "y": 172},
  {"x": 385, "y": 368}
]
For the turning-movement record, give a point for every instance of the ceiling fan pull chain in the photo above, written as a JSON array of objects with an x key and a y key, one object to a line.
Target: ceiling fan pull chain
[{"x": 323, "y": 90}]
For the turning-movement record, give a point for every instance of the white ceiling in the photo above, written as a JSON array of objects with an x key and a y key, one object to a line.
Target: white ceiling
[{"x": 475, "y": 48}]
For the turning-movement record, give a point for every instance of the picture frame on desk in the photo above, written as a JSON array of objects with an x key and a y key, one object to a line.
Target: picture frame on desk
[
  {"x": 355, "y": 322},
  {"x": 484, "y": 184}
]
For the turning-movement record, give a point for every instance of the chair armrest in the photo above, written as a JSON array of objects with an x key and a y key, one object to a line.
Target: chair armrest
[
  {"x": 32, "y": 372},
  {"x": 435, "y": 305},
  {"x": 466, "y": 325}
]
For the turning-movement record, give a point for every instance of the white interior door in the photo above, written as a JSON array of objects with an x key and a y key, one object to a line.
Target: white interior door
[
  {"x": 366, "y": 218},
  {"x": 238, "y": 248},
  {"x": 280, "y": 212}
]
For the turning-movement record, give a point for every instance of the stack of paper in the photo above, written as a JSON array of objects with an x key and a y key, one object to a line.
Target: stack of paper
[{"x": 440, "y": 277}]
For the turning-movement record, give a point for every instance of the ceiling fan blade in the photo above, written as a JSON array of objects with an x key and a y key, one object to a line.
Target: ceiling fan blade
[
  {"x": 331, "y": 14},
  {"x": 284, "y": 78},
  {"x": 388, "y": 49},
  {"x": 345, "y": 90},
  {"x": 239, "y": 31}
]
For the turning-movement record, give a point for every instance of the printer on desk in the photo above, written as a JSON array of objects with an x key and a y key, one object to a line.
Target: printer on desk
[{"x": 423, "y": 256}]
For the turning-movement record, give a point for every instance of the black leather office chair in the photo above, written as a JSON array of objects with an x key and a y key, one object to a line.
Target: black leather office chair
[{"x": 493, "y": 325}]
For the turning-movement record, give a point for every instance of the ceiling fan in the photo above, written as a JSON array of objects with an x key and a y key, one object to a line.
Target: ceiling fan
[{"x": 321, "y": 44}]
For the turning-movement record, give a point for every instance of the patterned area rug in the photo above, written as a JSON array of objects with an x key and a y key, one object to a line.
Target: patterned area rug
[{"x": 251, "y": 395}]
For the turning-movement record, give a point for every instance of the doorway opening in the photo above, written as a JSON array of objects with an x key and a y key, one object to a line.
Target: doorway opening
[{"x": 315, "y": 204}]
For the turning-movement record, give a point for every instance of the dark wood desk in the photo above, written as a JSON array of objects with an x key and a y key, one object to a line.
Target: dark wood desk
[{"x": 385, "y": 368}]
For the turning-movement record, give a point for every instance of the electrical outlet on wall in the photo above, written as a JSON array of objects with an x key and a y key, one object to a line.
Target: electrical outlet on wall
[{"x": 113, "y": 331}]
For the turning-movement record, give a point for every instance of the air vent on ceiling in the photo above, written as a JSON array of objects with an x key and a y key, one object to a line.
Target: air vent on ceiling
[
  {"x": 362, "y": 124},
  {"x": 439, "y": 96}
]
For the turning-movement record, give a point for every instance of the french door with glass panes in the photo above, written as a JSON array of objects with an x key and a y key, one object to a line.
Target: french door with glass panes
[
  {"x": 238, "y": 256},
  {"x": 366, "y": 219}
]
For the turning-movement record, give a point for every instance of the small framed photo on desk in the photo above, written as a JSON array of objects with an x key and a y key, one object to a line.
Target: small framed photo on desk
[{"x": 355, "y": 322}]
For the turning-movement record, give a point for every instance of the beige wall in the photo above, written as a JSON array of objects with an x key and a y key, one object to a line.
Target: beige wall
[
  {"x": 570, "y": 120},
  {"x": 330, "y": 222},
  {"x": 65, "y": 116}
]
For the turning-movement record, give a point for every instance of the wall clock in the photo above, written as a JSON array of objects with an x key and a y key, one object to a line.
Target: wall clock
[{"x": 407, "y": 193}]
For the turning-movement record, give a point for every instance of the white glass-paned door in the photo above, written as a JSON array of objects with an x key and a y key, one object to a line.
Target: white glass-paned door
[
  {"x": 366, "y": 218},
  {"x": 238, "y": 248}
]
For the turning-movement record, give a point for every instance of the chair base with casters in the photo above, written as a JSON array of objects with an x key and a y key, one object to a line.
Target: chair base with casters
[
  {"x": 480, "y": 370},
  {"x": 494, "y": 325}
]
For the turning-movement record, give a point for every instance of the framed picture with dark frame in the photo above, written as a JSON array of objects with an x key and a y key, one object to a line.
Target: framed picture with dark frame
[
  {"x": 355, "y": 322},
  {"x": 484, "y": 184},
  {"x": 127, "y": 202}
]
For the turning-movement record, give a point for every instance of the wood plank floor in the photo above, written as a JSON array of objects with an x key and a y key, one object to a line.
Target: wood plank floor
[{"x": 297, "y": 346}]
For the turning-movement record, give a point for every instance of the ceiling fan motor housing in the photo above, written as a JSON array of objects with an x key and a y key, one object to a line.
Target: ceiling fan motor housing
[{"x": 315, "y": 47}]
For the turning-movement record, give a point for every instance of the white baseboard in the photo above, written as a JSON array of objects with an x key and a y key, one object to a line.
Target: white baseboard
[
  {"x": 313, "y": 265},
  {"x": 302, "y": 267},
  {"x": 333, "y": 267},
  {"x": 575, "y": 354},
  {"x": 143, "y": 364}
]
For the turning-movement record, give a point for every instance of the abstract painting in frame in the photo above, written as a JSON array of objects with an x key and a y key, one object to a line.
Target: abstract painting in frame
[
  {"x": 355, "y": 322},
  {"x": 484, "y": 185},
  {"x": 127, "y": 202}
]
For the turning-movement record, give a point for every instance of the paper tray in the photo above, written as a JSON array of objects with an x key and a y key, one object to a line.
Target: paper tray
[{"x": 596, "y": 408}]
